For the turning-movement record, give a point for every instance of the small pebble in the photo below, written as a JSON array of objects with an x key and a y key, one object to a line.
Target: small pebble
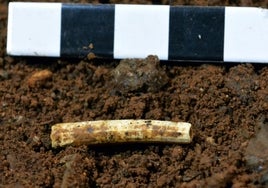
[
  {"x": 39, "y": 78},
  {"x": 254, "y": 162},
  {"x": 4, "y": 75},
  {"x": 139, "y": 75},
  {"x": 256, "y": 153},
  {"x": 91, "y": 56},
  {"x": 264, "y": 178}
]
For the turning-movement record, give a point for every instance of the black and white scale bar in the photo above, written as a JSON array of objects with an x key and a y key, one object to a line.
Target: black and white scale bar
[{"x": 229, "y": 34}]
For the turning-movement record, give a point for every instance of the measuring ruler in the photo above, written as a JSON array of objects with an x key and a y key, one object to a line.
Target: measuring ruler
[{"x": 220, "y": 34}]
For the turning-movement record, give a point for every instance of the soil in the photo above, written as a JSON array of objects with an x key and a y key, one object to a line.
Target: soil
[{"x": 227, "y": 105}]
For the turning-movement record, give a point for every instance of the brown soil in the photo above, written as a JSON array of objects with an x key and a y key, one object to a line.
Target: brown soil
[{"x": 226, "y": 104}]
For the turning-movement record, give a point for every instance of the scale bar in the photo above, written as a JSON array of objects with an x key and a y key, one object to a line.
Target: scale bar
[{"x": 223, "y": 34}]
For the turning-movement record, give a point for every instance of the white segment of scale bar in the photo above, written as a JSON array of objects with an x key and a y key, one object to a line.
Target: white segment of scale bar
[
  {"x": 141, "y": 30},
  {"x": 34, "y": 29},
  {"x": 246, "y": 34}
]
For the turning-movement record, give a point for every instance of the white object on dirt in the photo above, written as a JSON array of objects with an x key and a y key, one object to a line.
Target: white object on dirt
[{"x": 120, "y": 131}]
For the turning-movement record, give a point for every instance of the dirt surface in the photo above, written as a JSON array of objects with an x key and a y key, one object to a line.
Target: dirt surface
[{"x": 226, "y": 104}]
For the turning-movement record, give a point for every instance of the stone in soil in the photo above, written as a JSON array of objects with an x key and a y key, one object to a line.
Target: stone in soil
[
  {"x": 139, "y": 75},
  {"x": 39, "y": 78}
]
